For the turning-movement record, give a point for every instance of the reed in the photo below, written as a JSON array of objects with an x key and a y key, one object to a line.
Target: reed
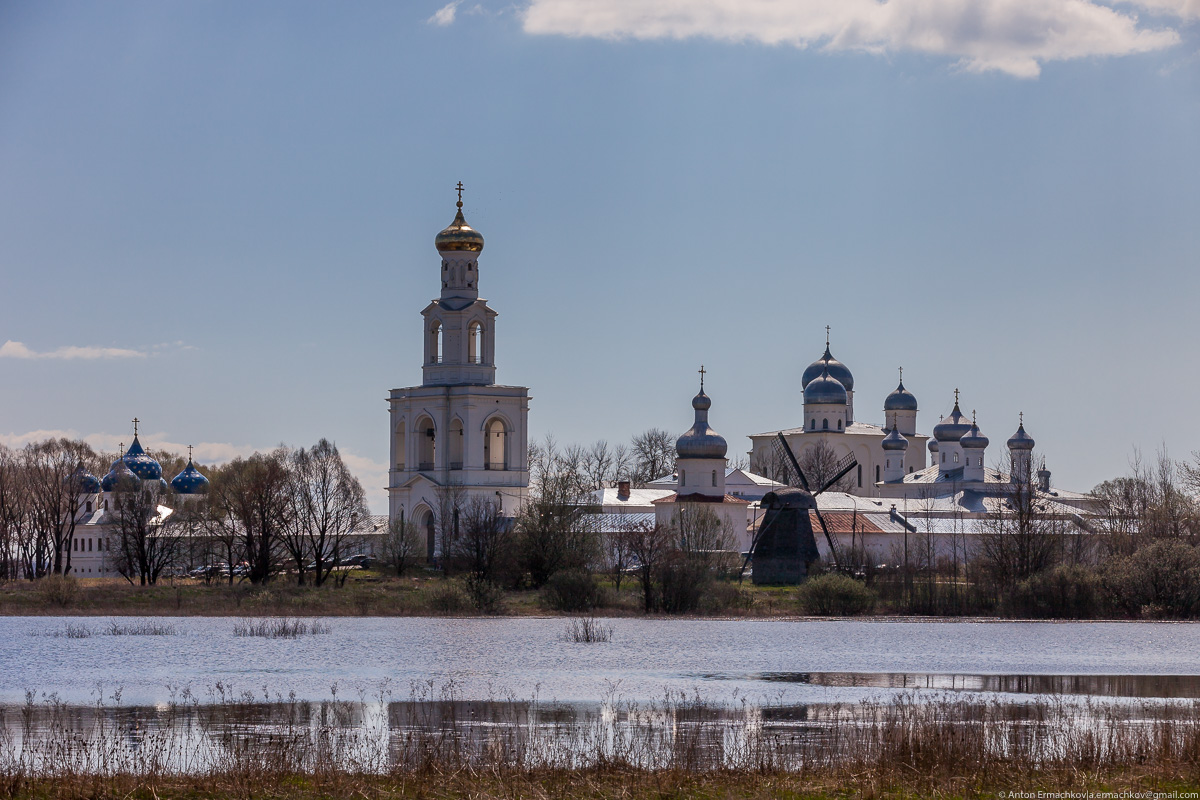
[
  {"x": 247, "y": 744},
  {"x": 587, "y": 630},
  {"x": 280, "y": 628}
]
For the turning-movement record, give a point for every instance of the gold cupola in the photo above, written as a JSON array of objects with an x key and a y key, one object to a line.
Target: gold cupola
[{"x": 458, "y": 235}]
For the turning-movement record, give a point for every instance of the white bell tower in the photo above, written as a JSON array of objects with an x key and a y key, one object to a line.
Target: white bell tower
[{"x": 459, "y": 434}]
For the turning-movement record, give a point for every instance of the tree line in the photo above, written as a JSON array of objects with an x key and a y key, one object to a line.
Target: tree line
[{"x": 280, "y": 511}]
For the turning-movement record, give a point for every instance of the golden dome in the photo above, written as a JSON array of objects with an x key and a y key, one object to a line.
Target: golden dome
[{"x": 458, "y": 235}]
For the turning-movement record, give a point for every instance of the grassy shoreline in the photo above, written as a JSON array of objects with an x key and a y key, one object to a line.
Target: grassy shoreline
[{"x": 373, "y": 593}]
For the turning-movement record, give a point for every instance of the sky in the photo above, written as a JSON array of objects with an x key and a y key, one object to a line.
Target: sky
[{"x": 218, "y": 217}]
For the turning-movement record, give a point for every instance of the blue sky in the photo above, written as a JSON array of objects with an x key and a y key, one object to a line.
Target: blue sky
[{"x": 219, "y": 216}]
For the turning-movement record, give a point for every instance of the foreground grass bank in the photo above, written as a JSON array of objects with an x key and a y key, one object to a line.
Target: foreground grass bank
[{"x": 616, "y": 784}]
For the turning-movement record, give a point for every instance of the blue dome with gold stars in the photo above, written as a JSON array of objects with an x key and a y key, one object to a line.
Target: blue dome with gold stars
[
  {"x": 140, "y": 463},
  {"x": 83, "y": 482},
  {"x": 118, "y": 474},
  {"x": 190, "y": 481}
]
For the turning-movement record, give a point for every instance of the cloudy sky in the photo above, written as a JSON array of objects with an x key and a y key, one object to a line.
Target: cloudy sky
[{"x": 219, "y": 217}]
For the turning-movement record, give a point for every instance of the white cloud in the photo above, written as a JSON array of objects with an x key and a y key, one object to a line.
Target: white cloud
[
  {"x": 445, "y": 15},
  {"x": 1011, "y": 36},
  {"x": 11, "y": 349}
]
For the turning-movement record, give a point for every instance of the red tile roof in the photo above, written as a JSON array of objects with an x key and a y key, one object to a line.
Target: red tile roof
[
  {"x": 701, "y": 498},
  {"x": 844, "y": 522}
]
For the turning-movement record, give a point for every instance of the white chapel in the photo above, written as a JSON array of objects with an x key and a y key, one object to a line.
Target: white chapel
[{"x": 459, "y": 432}]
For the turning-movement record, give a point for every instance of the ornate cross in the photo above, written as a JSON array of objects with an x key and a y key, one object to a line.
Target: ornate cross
[
  {"x": 1022, "y": 419},
  {"x": 827, "y": 336},
  {"x": 459, "y": 188},
  {"x": 701, "y": 371},
  {"x": 189, "y": 452},
  {"x": 956, "y": 397},
  {"x": 135, "y": 423},
  {"x": 902, "y": 374}
]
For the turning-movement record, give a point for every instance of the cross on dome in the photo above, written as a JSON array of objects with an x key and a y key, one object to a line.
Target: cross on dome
[
  {"x": 701, "y": 371},
  {"x": 135, "y": 424},
  {"x": 460, "y": 191}
]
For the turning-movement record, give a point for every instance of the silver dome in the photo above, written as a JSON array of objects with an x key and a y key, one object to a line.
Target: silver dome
[
  {"x": 701, "y": 441},
  {"x": 837, "y": 370},
  {"x": 895, "y": 440},
  {"x": 825, "y": 389},
  {"x": 952, "y": 427},
  {"x": 1020, "y": 440},
  {"x": 900, "y": 399},
  {"x": 933, "y": 446},
  {"x": 974, "y": 439}
]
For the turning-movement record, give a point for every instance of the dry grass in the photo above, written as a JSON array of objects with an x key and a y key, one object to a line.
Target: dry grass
[{"x": 433, "y": 745}]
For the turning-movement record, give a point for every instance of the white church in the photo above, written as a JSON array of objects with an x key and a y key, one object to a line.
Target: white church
[{"x": 459, "y": 433}]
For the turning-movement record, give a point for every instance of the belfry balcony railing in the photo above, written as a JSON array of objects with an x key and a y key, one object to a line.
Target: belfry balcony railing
[
  {"x": 456, "y": 465},
  {"x": 425, "y": 466},
  {"x": 491, "y": 465}
]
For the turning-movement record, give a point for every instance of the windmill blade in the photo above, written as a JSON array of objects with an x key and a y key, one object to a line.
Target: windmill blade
[
  {"x": 788, "y": 457},
  {"x": 753, "y": 547},
  {"x": 845, "y": 465},
  {"x": 833, "y": 550}
]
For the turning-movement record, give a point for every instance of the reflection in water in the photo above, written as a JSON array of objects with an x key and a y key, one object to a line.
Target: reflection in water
[
  {"x": 1178, "y": 687},
  {"x": 247, "y": 734}
]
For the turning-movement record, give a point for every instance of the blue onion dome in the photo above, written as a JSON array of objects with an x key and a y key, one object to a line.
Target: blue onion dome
[
  {"x": 458, "y": 235},
  {"x": 83, "y": 482},
  {"x": 117, "y": 475},
  {"x": 900, "y": 399},
  {"x": 837, "y": 370},
  {"x": 895, "y": 440},
  {"x": 190, "y": 481},
  {"x": 973, "y": 439},
  {"x": 933, "y": 447},
  {"x": 140, "y": 463},
  {"x": 1020, "y": 440},
  {"x": 825, "y": 389},
  {"x": 701, "y": 441},
  {"x": 952, "y": 428}
]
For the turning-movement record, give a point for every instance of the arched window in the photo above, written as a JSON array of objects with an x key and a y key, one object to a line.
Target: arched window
[
  {"x": 475, "y": 343},
  {"x": 495, "y": 445},
  {"x": 400, "y": 444},
  {"x": 889, "y": 463},
  {"x": 943, "y": 458},
  {"x": 877, "y": 473},
  {"x": 426, "y": 443},
  {"x": 456, "y": 444},
  {"x": 860, "y": 476},
  {"x": 435, "y": 343},
  {"x": 812, "y": 424},
  {"x": 714, "y": 477},
  {"x": 682, "y": 478},
  {"x": 839, "y": 424},
  {"x": 956, "y": 458},
  {"x": 824, "y": 424}
]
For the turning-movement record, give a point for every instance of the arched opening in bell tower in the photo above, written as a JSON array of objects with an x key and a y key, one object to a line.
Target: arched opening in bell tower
[
  {"x": 435, "y": 343},
  {"x": 475, "y": 343},
  {"x": 495, "y": 445},
  {"x": 427, "y": 444}
]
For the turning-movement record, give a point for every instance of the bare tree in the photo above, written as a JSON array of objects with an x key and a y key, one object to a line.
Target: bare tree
[
  {"x": 650, "y": 545},
  {"x": 483, "y": 538},
  {"x": 402, "y": 546},
  {"x": 147, "y": 531},
  {"x": 555, "y": 532},
  {"x": 1019, "y": 537},
  {"x": 598, "y": 464},
  {"x": 253, "y": 498},
  {"x": 14, "y": 508},
  {"x": 327, "y": 503},
  {"x": 53, "y": 496},
  {"x": 653, "y": 455},
  {"x": 820, "y": 462}
]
